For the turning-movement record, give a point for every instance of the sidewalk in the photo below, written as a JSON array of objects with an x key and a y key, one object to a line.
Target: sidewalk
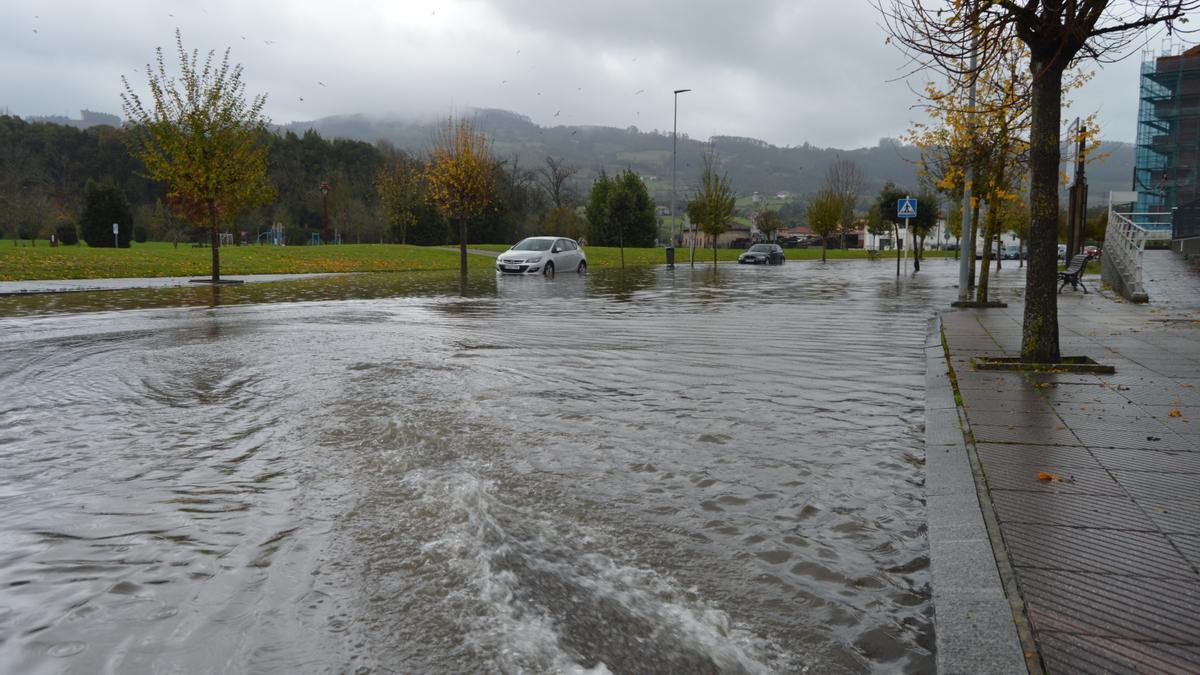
[
  {"x": 1094, "y": 480},
  {"x": 77, "y": 285}
]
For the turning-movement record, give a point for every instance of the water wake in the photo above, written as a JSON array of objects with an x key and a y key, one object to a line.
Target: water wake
[{"x": 546, "y": 600}]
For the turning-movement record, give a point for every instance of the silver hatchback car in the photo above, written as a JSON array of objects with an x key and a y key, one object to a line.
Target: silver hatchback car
[{"x": 543, "y": 255}]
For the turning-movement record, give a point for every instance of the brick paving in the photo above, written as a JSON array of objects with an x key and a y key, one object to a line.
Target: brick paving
[{"x": 1107, "y": 554}]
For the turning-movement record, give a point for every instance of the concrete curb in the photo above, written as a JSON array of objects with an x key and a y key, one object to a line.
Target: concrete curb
[{"x": 973, "y": 619}]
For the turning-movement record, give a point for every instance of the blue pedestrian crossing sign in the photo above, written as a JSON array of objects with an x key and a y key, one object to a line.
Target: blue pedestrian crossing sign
[{"x": 906, "y": 208}]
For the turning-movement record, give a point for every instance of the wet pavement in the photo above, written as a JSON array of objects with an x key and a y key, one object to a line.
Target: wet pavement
[
  {"x": 717, "y": 470},
  {"x": 1095, "y": 479},
  {"x": 85, "y": 285}
]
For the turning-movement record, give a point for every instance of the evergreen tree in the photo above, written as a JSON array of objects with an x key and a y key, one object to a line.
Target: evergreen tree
[{"x": 103, "y": 205}]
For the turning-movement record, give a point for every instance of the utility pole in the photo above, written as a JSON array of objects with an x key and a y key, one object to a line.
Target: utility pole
[
  {"x": 966, "y": 259},
  {"x": 674, "y": 215}
]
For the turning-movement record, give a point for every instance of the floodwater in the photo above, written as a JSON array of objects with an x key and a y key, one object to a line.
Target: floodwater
[{"x": 710, "y": 470}]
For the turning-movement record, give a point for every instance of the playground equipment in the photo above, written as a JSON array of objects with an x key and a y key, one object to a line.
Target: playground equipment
[
  {"x": 274, "y": 236},
  {"x": 315, "y": 238}
]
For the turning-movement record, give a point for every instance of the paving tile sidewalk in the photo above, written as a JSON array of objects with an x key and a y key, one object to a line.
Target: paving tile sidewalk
[{"x": 1107, "y": 552}]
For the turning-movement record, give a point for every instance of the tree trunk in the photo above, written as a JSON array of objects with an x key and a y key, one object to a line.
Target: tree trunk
[
  {"x": 621, "y": 244},
  {"x": 981, "y": 289},
  {"x": 917, "y": 243},
  {"x": 714, "y": 251},
  {"x": 1039, "y": 341},
  {"x": 824, "y": 246},
  {"x": 1020, "y": 252},
  {"x": 214, "y": 231},
  {"x": 972, "y": 239},
  {"x": 462, "y": 247}
]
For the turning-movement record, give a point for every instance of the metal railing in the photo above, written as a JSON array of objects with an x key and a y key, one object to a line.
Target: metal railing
[{"x": 1125, "y": 243}]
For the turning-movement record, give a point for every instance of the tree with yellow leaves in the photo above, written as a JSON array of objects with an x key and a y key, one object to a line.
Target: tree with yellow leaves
[
  {"x": 461, "y": 177},
  {"x": 962, "y": 38},
  {"x": 991, "y": 137},
  {"x": 200, "y": 136}
]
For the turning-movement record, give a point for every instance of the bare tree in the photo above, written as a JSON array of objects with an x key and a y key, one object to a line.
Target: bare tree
[
  {"x": 963, "y": 38},
  {"x": 553, "y": 178},
  {"x": 844, "y": 180}
]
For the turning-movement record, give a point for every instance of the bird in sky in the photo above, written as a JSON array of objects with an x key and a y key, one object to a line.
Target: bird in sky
[
  {"x": 35, "y": 30},
  {"x": 638, "y": 92},
  {"x": 556, "y": 113},
  {"x": 320, "y": 83},
  {"x": 301, "y": 98}
]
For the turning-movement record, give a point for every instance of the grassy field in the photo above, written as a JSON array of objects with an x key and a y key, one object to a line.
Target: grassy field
[{"x": 154, "y": 259}]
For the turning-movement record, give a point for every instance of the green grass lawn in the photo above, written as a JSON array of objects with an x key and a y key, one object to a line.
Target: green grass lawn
[{"x": 156, "y": 259}]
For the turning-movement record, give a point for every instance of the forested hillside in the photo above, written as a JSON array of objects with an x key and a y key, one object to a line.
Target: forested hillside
[
  {"x": 44, "y": 166},
  {"x": 753, "y": 165}
]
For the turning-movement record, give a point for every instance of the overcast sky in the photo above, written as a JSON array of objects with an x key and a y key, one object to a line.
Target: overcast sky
[{"x": 787, "y": 72}]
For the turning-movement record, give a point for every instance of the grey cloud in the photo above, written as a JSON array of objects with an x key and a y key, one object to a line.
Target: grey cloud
[{"x": 786, "y": 72}]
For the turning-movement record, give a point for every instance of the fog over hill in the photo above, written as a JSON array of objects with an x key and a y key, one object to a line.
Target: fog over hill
[{"x": 752, "y": 165}]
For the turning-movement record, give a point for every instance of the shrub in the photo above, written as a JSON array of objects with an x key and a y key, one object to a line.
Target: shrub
[
  {"x": 67, "y": 234},
  {"x": 103, "y": 205}
]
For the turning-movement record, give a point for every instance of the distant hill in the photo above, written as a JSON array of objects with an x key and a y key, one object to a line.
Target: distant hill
[{"x": 752, "y": 165}]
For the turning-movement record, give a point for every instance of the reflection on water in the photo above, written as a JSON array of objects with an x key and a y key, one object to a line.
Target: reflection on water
[{"x": 629, "y": 471}]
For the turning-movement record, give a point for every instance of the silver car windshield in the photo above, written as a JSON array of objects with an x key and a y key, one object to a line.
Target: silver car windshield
[{"x": 533, "y": 245}]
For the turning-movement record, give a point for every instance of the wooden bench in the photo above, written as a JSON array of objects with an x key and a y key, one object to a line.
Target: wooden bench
[{"x": 1073, "y": 274}]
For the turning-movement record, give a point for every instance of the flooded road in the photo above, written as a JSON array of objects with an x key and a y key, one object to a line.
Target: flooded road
[{"x": 649, "y": 471}]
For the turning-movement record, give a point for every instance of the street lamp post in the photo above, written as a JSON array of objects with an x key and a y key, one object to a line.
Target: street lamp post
[
  {"x": 674, "y": 143},
  {"x": 325, "y": 210}
]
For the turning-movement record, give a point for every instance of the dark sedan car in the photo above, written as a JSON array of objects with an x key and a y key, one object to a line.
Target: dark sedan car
[{"x": 765, "y": 254}]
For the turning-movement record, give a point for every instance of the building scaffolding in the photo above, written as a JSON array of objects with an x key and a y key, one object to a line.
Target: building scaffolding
[{"x": 1167, "y": 155}]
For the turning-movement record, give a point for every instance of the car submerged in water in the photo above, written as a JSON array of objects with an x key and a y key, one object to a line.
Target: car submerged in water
[
  {"x": 762, "y": 254},
  {"x": 543, "y": 255}
]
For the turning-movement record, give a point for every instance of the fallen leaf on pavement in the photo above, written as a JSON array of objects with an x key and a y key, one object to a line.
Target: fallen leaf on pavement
[
  {"x": 1174, "y": 413},
  {"x": 1050, "y": 477}
]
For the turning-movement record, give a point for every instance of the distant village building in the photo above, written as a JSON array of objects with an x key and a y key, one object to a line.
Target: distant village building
[{"x": 88, "y": 118}]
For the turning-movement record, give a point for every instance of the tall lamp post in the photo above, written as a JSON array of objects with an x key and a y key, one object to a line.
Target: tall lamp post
[
  {"x": 674, "y": 216},
  {"x": 325, "y": 210}
]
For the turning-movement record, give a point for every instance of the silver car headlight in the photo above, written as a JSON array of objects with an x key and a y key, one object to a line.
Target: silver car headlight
[{"x": 536, "y": 258}]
